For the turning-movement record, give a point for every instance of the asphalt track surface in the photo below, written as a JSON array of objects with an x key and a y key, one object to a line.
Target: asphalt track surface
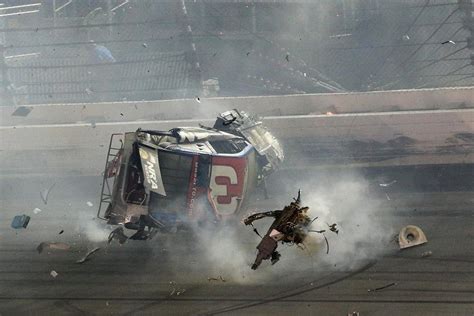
[{"x": 169, "y": 274}]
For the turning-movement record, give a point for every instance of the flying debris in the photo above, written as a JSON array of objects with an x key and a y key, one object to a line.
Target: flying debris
[
  {"x": 20, "y": 221},
  {"x": 45, "y": 193},
  {"x": 333, "y": 228},
  {"x": 22, "y": 111},
  {"x": 89, "y": 203},
  {"x": 160, "y": 181},
  {"x": 291, "y": 226},
  {"x": 449, "y": 42},
  {"x": 145, "y": 45},
  {"x": 36, "y": 210},
  {"x": 384, "y": 185},
  {"x": 198, "y": 100},
  {"x": 86, "y": 257},
  {"x": 53, "y": 273},
  {"x": 287, "y": 57},
  {"x": 52, "y": 245}
]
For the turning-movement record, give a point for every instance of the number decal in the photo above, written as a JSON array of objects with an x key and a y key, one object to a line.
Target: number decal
[{"x": 227, "y": 183}]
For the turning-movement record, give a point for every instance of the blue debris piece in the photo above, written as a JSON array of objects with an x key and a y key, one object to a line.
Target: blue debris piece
[
  {"x": 104, "y": 54},
  {"x": 20, "y": 221}
]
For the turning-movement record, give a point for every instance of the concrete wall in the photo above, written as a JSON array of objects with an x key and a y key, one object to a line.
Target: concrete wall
[{"x": 383, "y": 101}]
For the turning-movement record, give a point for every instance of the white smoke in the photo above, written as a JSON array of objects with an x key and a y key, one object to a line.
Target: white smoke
[
  {"x": 364, "y": 229},
  {"x": 364, "y": 235},
  {"x": 90, "y": 227}
]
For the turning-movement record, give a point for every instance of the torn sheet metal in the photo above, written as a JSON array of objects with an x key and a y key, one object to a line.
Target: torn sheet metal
[
  {"x": 151, "y": 170},
  {"x": 411, "y": 236},
  {"x": 52, "y": 245},
  {"x": 20, "y": 221},
  {"x": 86, "y": 257}
]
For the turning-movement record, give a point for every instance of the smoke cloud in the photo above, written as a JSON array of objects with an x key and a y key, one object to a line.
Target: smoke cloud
[{"x": 364, "y": 235}]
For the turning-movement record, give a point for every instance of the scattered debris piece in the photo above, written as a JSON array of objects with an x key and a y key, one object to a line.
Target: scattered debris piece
[
  {"x": 382, "y": 287},
  {"x": 145, "y": 45},
  {"x": 449, "y": 42},
  {"x": 121, "y": 114},
  {"x": 248, "y": 53},
  {"x": 220, "y": 278},
  {"x": 388, "y": 197},
  {"x": 286, "y": 228},
  {"x": 340, "y": 35},
  {"x": 406, "y": 37},
  {"x": 333, "y": 228},
  {"x": 287, "y": 57},
  {"x": 53, "y": 273},
  {"x": 20, "y": 221},
  {"x": 426, "y": 254},
  {"x": 89, "y": 203},
  {"x": 88, "y": 91},
  {"x": 353, "y": 314},
  {"x": 384, "y": 185},
  {"x": 327, "y": 244},
  {"x": 45, "y": 193},
  {"x": 22, "y": 111},
  {"x": 86, "y": 257},
  {"x": 62, "y": 231},
  {"x": 198, "y": 100},
  {"x": 411, "y": 236},
  {"x": 36, "y": 210},
  {"x": 52, "y": 245},
  {"x": 119, "y": 235},
  {"x": 175, "y": 289}
]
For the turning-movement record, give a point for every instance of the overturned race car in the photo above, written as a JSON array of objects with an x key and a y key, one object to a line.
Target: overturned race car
[{"x": 162, "y": 180}]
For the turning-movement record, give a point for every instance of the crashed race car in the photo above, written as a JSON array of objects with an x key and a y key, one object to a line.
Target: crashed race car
[
  {"x": 291, "y": 226},
  {"x": 162, "y": 180}
]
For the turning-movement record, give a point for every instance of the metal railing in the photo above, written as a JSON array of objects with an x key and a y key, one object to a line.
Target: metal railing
[{"x": 108, "y": 182}]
